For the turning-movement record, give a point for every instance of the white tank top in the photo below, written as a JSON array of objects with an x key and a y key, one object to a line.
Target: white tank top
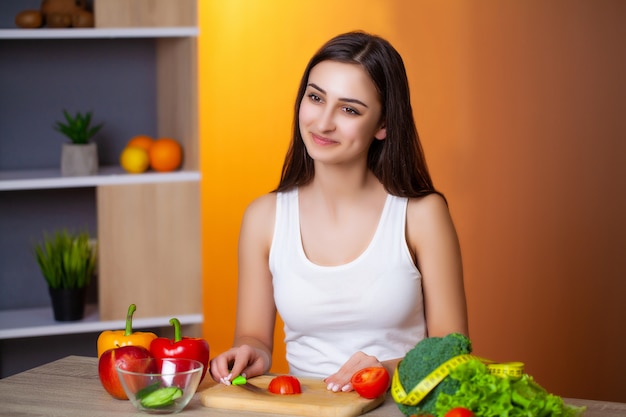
[{"x": 372, "y": 304}]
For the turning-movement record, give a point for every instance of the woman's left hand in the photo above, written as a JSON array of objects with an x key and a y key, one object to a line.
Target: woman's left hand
[{"x": 340, "y": 381}]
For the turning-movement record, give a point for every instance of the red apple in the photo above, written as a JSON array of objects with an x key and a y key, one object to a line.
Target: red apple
[{"x": 118, "y": 357}]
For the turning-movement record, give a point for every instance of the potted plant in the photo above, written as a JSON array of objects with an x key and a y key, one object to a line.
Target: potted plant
[
  {"x": 67, "y": 262},
  {"x": 80, "y": 156}
]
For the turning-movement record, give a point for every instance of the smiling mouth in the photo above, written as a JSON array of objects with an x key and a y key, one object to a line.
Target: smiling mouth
[{"x": 322, "y": 141}]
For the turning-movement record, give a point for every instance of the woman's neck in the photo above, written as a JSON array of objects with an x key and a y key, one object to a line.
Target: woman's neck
[{"x": 340, "y": 183}]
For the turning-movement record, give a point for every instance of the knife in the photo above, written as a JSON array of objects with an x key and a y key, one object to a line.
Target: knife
[{"x": 242, "y": 382}]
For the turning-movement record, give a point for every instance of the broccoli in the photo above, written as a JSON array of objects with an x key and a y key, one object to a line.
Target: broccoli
[{"x": 424, "y": 358}]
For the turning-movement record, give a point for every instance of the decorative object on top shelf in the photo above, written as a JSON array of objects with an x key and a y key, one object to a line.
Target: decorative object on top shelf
[
  {"x": 67, "y": 262},
  {"x": 166, "y": 155},
  {"x": 57, "y": 14},
  {"x": 135, "y": 157},
  {"x": 142, "y": 152},
  {"x": 78, "y": 128},
  {"x": 80, "y": 157}
]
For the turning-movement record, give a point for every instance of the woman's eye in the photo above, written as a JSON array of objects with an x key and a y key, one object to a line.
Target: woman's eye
[
  {"x": 314, "y": 97},
  {"x": 351, "y": 110}
]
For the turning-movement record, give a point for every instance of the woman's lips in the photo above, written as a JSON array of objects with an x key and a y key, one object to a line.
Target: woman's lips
[{"x": 322, "y": 141}]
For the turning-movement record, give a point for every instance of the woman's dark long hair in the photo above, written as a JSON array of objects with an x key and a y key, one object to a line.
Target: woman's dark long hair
[{"x": 397, "y": 161}]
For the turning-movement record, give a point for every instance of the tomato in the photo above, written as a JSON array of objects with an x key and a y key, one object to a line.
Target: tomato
[
  {"x": 459, "y": 412},
  {"x": 285, "y": 384},
  {"x": 371, "y": 382}
]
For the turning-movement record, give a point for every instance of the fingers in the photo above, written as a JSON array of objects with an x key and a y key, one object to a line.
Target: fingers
[
  {"x": 246, "y": 362},
  {"x": 340, "y": 381},
  {"x": 242, "y": 360},
  {"x": 336, "y": 387},
  {"x": 220, "y": 365}
]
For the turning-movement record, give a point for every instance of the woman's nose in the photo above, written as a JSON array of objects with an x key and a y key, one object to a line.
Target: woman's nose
[{"x": 325, "y": 120}]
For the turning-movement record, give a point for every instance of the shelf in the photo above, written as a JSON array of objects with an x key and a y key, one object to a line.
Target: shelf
[
  {"x": 114, "y": 175},
  {"x": 35, "y": 322},
  {"x": 157, "y": 213},
  {"x": 109, "y": 33}
]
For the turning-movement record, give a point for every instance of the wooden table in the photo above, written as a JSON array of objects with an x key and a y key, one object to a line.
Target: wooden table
[{"x": 70, "y": 387}]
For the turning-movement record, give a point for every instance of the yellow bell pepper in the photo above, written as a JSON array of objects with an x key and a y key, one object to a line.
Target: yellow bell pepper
[{"x": 111, "y": 339}]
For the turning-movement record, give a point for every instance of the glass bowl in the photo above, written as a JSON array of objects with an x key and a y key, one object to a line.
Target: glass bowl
[{"x": 160, "y": 386}]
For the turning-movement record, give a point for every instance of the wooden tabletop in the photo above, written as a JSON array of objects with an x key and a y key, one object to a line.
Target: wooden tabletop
[{"x": 70, "y": 387}]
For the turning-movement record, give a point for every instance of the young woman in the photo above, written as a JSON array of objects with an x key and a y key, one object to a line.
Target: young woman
[{"x": 355, "y": 248}]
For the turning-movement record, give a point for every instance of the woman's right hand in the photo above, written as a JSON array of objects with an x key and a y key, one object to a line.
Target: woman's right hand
[{"x": 243, "y": 359}]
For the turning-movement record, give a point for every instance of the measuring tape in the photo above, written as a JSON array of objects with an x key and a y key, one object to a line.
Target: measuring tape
[{"x": 513, "y": 370}]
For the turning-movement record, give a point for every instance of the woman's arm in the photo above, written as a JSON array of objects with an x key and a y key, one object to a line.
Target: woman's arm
[
  {"x": 256, "y": 312},
  {"x": 433, "y": 241}
]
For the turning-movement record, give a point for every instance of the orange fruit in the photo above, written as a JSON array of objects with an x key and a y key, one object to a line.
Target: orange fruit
[
  {"x": 141, "y": 141},
  {"x": 166, "y": 155},
  {"x": 134, "y": 160}
]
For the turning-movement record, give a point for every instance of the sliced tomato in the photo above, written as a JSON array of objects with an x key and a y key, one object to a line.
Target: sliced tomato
[
  {"x": 371, "y": 382},
  {"x": 285, "y": 384},
  {"x": 459, "y": 412}
]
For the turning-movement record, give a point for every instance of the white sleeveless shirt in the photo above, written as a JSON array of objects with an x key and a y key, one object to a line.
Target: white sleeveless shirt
[{"x": 372, "y": 304}]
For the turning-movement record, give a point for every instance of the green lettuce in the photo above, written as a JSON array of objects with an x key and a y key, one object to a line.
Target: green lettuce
[{"x": 488, "y": 395}]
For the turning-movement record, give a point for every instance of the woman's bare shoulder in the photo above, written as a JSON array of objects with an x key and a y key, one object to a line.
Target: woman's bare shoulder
[
  {"x": 263, "y": 204},
  {"x": 261, "y": 212},
  {"x": 428, "y": 218},
  {"x": 429, "y": 205}
]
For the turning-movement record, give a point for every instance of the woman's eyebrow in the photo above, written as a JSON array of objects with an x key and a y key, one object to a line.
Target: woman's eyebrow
[{"x": 345, "y": 99}]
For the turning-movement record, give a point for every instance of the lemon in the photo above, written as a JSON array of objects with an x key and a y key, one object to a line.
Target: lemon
[{"x": 134, "y": 160}]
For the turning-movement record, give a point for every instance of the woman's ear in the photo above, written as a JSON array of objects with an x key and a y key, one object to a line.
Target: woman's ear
[{"x": 381, "y": 134}]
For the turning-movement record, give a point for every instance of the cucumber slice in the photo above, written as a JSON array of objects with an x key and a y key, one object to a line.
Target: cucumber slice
[
  {"x": 142, "y": 393},
  {"x": 162, "y": 397}
]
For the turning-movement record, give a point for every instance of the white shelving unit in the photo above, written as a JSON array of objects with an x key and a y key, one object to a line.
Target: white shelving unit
[
  {"x": 39, "y": 321},
  {"x": 160, "y": 32},
  {"x": 35, "y": 322},
  {"x": 51, "y": 178}
]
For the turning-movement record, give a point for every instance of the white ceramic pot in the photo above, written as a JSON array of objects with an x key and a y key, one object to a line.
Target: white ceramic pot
[{"x": 79, "y": 160}]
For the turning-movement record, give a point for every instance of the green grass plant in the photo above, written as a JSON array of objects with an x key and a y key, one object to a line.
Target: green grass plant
[{"x": 66, "y": 260}]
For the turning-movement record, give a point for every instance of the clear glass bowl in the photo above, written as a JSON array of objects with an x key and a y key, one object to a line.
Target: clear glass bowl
[{"x": 160, "y": 386}]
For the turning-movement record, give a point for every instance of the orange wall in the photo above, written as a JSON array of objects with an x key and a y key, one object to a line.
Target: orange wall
[{"x": 520, "y": 109}]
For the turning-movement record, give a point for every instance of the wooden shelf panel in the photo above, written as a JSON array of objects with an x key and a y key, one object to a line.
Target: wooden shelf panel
[
  {"x": 36, "y": 322},
  {"x": 96, "y": 33},
  {"x": 148, "y": 248},
  {"x": 47, "y": 179}
]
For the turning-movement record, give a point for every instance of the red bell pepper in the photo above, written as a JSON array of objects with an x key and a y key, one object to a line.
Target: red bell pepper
[{"x": 181, "y": 347}]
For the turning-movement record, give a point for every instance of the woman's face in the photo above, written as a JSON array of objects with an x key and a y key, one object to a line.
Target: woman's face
[{"x": 340, "y": 113}]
